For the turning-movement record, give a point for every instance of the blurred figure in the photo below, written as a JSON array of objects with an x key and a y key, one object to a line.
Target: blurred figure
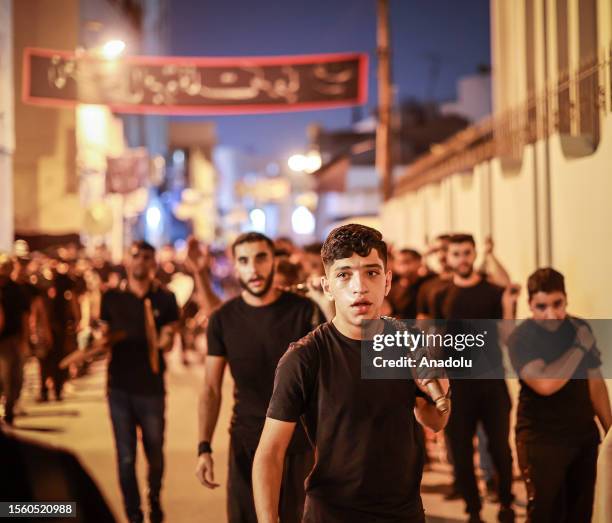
[
  {"x": 429, "y": 289},
  {"x": 13, "y": 337},
  {"x": 562, "y": 391},
  {"x": 145, "y": 315},
  {"x": 35, "y": 472},
  {"x": 286, "y": 275},
  {"x": 470, "y": 296},
  {"x": 409, "y": 274},
  {"x": 37, "y": 330},
  {"x": 64, "y": 315}
]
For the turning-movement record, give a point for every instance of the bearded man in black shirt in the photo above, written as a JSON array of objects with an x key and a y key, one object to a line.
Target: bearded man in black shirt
[
  {"x": 368, "y": 452},
  {"x": 469, "y": 296},
  {"x": 562, "y": 391},
  {"x": 250, "y": 333},
  {"x": 146, "y": 315}
]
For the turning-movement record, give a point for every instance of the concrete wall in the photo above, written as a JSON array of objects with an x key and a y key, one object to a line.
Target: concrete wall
[
  {"x": 7, "y": 138},
  {"x": 546, "y": 207},
  {"x": 46, "y": 196}
]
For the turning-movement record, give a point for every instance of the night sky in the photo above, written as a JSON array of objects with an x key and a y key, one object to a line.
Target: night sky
[{"x": 456, "y": 33}]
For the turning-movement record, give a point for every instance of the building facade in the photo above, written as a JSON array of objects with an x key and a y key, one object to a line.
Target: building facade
[{"x": 535, "y": 176}]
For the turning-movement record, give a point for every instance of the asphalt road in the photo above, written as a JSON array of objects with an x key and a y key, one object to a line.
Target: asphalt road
[{"x": 81, "y": 424}]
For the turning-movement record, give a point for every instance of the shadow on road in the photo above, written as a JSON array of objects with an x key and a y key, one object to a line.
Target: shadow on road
[
  {"x": 51, "y": 413},
  {"x": 47, "y": 430}
]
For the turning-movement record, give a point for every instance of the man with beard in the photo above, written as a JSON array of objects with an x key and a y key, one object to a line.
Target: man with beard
[
  {"x": 250, "y": 333},
  {"x": 145, "y": 315},
  {"x": 470, "y": 296},
  {"x": 369, "y": 455}
]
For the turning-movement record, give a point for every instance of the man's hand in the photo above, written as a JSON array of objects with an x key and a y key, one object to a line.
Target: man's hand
[
  {"x": 584, "y": 336},
  {"x": 205, "y": 471}
]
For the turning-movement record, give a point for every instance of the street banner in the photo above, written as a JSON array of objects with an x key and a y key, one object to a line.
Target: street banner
[{"x": 186, "y": 85}]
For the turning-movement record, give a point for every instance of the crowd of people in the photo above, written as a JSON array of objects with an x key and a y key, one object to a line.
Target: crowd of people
[{"x": 310, "y": 440}]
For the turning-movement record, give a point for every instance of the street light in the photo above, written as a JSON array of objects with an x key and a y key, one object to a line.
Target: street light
[
  {"x": 112, "y": 49},
  {"x": 307, "y": 163}
]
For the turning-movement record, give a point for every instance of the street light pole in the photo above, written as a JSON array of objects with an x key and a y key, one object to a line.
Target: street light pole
[{"x": 384, "y": 164}]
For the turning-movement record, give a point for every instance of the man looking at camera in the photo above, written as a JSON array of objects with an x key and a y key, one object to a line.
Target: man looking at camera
[
  {"x": 250, "y": 333},
  {"x": 369, "y": 458},
  {"x": 469, "y": 296},
  {"x": 146, "y": 316},
  {"x": 562, "y": 391}
]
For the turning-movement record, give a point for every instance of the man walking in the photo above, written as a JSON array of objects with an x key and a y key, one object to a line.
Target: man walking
[
  {"x": 250, "y": 333},
  {"x": 470, "y": 296},
  {"x": 369, "y": 455},
  {"x": 562, "y": 391},
  {"x": 143, "y": 316}
]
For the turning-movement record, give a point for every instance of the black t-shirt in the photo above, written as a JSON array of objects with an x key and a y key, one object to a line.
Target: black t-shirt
[
  {"x": 567, "y": 415},
  {"x": 425, "y": 301},
  {"x": 29, "y": 293},
  {"x": 369, "y": 453},
  {"x": 129, "y": 368},
  {"x": 403, "y": 300},
  {"x": 482, "y": 301},
  {"x": 253, "y": 339},
  {"x": 14, "y": 306}
]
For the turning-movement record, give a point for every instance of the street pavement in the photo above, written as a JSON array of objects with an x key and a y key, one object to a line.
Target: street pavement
[{"x": 81, "y": 424}]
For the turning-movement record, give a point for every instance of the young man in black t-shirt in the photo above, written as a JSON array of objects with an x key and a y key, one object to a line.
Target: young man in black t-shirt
[
  {"x": 250, "y": 333},
  {"x": 368, "y": 452},
  {"x": 146, "y": 316},
  {"x": 562, "y": 390},
  {"x": 470, "y": 296}
]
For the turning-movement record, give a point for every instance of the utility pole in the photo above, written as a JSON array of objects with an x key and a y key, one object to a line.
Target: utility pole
[{"x": 384, "y": 164}]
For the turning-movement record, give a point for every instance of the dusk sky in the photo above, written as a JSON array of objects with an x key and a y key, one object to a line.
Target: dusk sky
[{"x": 457, "y": 32}]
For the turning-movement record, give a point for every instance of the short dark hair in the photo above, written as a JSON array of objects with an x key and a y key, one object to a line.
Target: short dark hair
[
  {"x": 414, "y": 254},
  {"x": 289, "y": 270},
  {"x": 251, "y": 237},
  {"x": 313, "y": 248},
  {"x": 546, "y": 280},
  {"x": 351, "y": 239},
  {"x": 461, "y": 238},
  {"x": 141, "y": 245},
  {"x": 443, "y": 237}
]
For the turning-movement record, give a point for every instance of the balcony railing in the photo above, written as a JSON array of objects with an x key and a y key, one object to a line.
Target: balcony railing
[{"x": 572, "y": 107}]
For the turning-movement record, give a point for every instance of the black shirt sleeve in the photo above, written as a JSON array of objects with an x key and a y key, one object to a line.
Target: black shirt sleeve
[
  {"x": 293, "y": 383},
  {"x": 214, "y": 337},
  {"x": 172, "y": 311},
  {"x": 105, "y": 307},
  {"x": 521, "y": 347}
]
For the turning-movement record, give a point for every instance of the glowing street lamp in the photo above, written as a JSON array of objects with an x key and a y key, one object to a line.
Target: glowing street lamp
[
  {"x": 112, "y": 49},
  {"x": 305, "y": 163}
]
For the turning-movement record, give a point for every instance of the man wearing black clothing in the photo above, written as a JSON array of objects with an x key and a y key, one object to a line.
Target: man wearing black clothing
[
  {"x": 470, "y": 296},
  {"x": 12, "y": 337},
  {"x": 145, "y": 316},
  {"x": 369, "y": 454},
  {"x": 250, "y": 333},
  {"x": 409, "y": 275},
  {"x": 562, "y": 391}
]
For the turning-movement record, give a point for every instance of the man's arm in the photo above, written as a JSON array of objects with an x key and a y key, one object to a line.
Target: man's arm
[
  {"x": 600, "y": 399},
  {"x": 208, "y": 415},
  {"x": 491, "y": 266},
  {"x": 546, "y": 379},
  {"x": 268, "y": 468}
]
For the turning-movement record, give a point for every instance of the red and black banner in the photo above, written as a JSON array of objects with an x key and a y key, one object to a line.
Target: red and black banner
[{"x": 184, "y": 85}]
